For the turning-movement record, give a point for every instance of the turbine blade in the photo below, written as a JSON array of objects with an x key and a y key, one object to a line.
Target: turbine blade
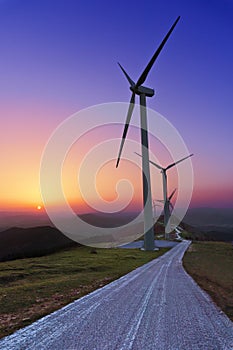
[
  {"x": 129, "y": 115},
  {"x": 138, "y": 154},
  {"x": 144, "y": 74},
  {"x": 157, "y": 165},
  {"x": 172, "y": 194},
  {"x": 178, "y": 161},
  {"x": 171, "y": 205},
  {"x": 132, "y": 83}
]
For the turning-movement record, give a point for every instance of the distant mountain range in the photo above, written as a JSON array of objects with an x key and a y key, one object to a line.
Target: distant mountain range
[
  {"x": 24, "y": 220},
  {"x": 214, "y": 224},
  {"x": 199, "y": 217},
  {"x": 212, "y": 217},
  {"x": 10, "y": 219},
  {"x": 24, "y": 241}
]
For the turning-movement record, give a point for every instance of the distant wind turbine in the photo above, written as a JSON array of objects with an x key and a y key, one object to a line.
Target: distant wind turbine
[
  {"x": 165, "y": 197},
  {"x": 169, "y": 207},
  {"x": 143, "y": 92}
]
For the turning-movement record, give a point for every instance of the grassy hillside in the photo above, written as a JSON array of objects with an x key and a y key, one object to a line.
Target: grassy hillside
[
  {"x": 211, "y": 265},
  {"x": 33, "y": 287}
]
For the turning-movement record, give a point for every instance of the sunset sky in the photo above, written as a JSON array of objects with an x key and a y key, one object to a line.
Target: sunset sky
[{"x": 58, "y": 57}]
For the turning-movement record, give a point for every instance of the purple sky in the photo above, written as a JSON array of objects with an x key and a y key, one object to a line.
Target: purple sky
[{"x": 58, "y": 57}]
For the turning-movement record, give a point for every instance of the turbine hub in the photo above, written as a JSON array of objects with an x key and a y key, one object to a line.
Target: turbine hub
[{"x": 142, "y": 90}]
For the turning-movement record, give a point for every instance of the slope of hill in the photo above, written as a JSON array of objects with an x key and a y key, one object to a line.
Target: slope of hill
[{"x": 29, "y": 242}]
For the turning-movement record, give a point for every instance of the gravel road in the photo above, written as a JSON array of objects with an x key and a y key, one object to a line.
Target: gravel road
[{"x": 157, "y": 306}]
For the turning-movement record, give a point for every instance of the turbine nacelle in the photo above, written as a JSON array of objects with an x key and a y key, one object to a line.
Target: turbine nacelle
[
  {"x": 138, "y": 88},
  {"x": 142, "y": 90},
  {"x": 135, "y": 88}
]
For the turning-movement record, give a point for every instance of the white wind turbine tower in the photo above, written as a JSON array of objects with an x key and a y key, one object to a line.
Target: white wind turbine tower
[
  {"x": 167, "y": 213},
  {"x": 143, "y": 92}
]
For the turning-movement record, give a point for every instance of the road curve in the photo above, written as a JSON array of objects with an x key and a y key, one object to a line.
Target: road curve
[{"x": 157, "y": 306}]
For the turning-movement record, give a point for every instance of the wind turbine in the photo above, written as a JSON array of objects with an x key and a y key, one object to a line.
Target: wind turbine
[
  {"x": 143, "y": 92},
  {"x": 168, "y": 207},
  {"x": 167, "y": 213}
]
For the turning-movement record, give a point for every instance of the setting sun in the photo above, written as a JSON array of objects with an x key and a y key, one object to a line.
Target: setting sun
[{"x": 39, "y": 207}]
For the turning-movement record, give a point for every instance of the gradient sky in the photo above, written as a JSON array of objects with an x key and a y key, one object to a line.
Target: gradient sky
[{"x": 58, "y": 57}]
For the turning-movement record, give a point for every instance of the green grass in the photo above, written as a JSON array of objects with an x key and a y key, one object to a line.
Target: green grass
[
  {"x": 33, "y": 287},
  {"x": 211, "y": 265}
]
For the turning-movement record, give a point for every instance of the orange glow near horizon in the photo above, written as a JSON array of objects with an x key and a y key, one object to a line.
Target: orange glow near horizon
[{"x": 23, "y": 147}]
